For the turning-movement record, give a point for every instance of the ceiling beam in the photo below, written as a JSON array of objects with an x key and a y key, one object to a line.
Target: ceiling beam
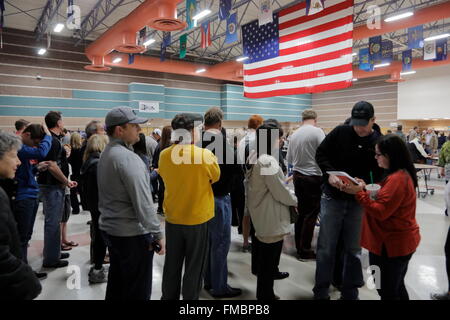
[
  {"x": 50, "y": 10},
  {"x": 101, "y": 11}
]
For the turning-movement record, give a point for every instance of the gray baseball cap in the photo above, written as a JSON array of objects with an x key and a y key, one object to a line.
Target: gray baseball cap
[{"x": 122, "y": 115}]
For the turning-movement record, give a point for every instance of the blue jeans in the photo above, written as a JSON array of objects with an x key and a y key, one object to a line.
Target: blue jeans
[
  {"x": 52, "y": 200},
  {"x": 339, "y": 216},
  {"x": 216, "y": 275},
  {"x": 25, "y": 214}
]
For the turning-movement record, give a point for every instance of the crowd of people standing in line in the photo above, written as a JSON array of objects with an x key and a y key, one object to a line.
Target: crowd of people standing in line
[{"x": 204, "y": 183}]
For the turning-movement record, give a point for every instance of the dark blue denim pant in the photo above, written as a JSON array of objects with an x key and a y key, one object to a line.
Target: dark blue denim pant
[
  {"x": 130, "y": 270},
  {"x": 52, "y": 199},
  {"x": 216, "y": 275},
  {"x": 25, "y": 214},
  {"x": 339, "y": 216}
]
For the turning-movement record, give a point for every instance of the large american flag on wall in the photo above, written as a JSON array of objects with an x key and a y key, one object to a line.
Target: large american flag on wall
[{"x": 299, "y": 53}]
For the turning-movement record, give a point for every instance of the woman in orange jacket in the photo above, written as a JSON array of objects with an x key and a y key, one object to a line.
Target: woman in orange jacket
[{"x": 389, "y": 231}]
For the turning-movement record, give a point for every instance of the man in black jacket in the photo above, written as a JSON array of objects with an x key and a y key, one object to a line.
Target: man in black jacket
[
  {"x": 349, "y": 148},
  {"x": 17, "y": 279},
  {"x": 214, "y": 139}
]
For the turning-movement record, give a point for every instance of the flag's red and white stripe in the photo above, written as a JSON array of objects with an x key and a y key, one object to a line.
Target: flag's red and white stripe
[{"x": 315, "y": 53}]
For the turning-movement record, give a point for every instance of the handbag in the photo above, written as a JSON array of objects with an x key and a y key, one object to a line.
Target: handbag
[{"x": 293, "y": 214}]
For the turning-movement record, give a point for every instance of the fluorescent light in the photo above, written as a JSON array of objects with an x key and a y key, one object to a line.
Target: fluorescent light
[
  {"x": 200, "y": 70},
  {"x": 201, "y": 14},
  {"x": 407, "y": 73},
  {"x": 434, "y": 119},
  {"x": 399, "y": 16},
  {"x": 354, "y": 79},
  {"x": 382, "y": 65},
  {"x": 42, "y": 51},
  {"x": 149, "y": 42},
  {"x": 241, "y": 59},
  {"x": 354, "y": 54},
  {"x": 58, "y": 28},
  {"x": 440, "y": 36},
  {"x": 426, "y": 118},
  {"x": 117, "y": 60}
]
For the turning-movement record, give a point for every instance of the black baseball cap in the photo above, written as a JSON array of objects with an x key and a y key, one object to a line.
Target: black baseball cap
[
  {"x": 185, "y": 121},
  {"x": 362, "y": 112}
]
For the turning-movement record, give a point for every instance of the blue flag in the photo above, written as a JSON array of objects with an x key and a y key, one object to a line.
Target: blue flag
[
  {"x": 191, "y": 8},
  {"x": 231, "y": 29},
  {"x": 415, "y": 37},
  {"x": 162, "y": 56},
  {"x": 364, "y": 60},
  {"x": 130, "y": 58},
  {"x": 375, "y": 49},
  {"x": 167, "y": 38},
  {"x": 407, "y": 60},
  {"x": 224, "y": 9},
  {"x": 441, "y": 49},
  {"x": 386, "y": 51}
]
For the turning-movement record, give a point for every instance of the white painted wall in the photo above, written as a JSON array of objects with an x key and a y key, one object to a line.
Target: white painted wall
[{"x": 425, "y": 94}]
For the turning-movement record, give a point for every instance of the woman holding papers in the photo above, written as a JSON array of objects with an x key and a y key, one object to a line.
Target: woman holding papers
[{"x": 389, "y": 230}]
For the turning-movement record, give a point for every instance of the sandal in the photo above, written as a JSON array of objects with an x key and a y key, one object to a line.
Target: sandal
[
  {"x": 65, "y": 247},
  {"x": 71, "y": 243}
]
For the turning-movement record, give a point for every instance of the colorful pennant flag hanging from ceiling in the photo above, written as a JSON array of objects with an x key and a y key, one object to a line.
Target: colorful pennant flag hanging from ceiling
[
  {"x": 232, "y": 35},
  {"x": 183, "y": 44},
  {"x": 191, "y": 8},
  {"x": 407, "y": 60},
  {"x": 364, "y": 60},
  {"x": 162, "y": 56},
  {"x": 265, "y": 13},
  {"x": 299, "y": 54},
  {"x": 415, "y": 37},
  {"x": 314, "y": 6},
  {"x": 130, "y": 58},
  {"x": 375, "y": 49},
  {"x": 386, "y": 51},
  {"x": 441, "y": 49},
  {"x": 206, "y": 35},
  {"x": 224, "y": 9},
  {"x": 429, "y": 50}
]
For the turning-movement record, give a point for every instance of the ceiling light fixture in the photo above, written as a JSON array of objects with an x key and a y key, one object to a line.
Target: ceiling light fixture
[
  {"x": 241, "y": 59},
  {"x": 149, "y": 42},
  {"x": 399, "y": 16},
  {"x": 42, "y": 51},
  {"x": 381, "y": 65},
  {"x": 117, "y": 60},
  {"x": 201, "y": 14},
  {"x": 407, "y": 73},
  {"x": 354, "y": 79},
  {"x": 439, "y": 36},
  {"x": 200, "y": 70},
  {"x": 58, "y": 28}
]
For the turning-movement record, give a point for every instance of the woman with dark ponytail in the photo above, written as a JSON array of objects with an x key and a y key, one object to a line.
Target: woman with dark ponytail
[{"x": 389, "y": 231}]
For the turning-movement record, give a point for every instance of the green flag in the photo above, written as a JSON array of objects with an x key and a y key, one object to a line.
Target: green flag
[{"x": 183, "y": 41}]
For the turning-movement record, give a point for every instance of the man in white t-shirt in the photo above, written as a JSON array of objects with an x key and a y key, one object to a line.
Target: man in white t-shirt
[{"x": 307, "y": 180}]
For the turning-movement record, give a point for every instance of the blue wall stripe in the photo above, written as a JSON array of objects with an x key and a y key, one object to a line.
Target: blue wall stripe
[
  {"x": 193, "y": 93},
  {"x": 99, "y": 95},
  {"x": 59, "y": 102},
  {"x": 141, "y": 87}
]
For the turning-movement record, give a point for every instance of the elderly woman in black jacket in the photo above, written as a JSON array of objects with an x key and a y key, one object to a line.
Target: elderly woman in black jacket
[
  {"x": 95, "y": 145},
  {"x": 17, "y": 279}
]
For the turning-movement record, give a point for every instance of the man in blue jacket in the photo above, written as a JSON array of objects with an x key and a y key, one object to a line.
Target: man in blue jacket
[{"x": 36, "y": 141}]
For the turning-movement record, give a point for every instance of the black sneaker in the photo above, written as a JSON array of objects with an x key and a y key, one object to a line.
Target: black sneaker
[
  {"x": 41, "y": 275},
  {"x": 64, "y": 256},
  {"x": 441, "y": 296},
  {"x": 59, "y": 264},
  {"x": 281, "y": 275}
]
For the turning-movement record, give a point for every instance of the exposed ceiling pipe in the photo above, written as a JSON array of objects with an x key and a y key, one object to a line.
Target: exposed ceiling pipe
[
  {"x": 158, "y": 14},
  {"x": 224, "y": 71}
]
